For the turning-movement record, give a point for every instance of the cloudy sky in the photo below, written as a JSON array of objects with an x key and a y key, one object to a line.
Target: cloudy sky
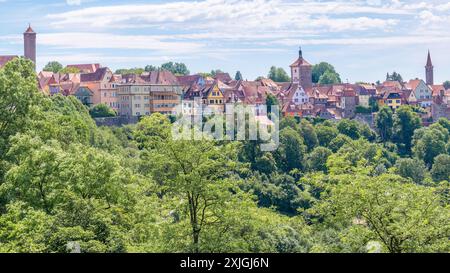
[{"x": 363, "y": 39}]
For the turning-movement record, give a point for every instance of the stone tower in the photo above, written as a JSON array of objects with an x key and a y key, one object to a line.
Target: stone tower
[
  {"x": 29, "y": 38},
  {"x": 429, "y": 70},
  {"x": 301, "y": 72}
]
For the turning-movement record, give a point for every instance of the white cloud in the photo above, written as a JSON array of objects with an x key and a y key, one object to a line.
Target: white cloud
[{"x": 233, "y": 15}]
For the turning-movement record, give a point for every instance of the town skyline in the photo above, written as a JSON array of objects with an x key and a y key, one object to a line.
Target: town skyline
[{"x": 362, "y": 54}]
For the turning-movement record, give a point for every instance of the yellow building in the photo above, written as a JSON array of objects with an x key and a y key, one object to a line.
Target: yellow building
[{"x": 393, "y": 100}]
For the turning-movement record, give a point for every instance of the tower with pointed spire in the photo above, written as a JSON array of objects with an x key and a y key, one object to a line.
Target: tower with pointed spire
[
  {"x": 429, "y": 70},
  {"x": 29, "y": 38},
  {"x": 301, "y": 71}
]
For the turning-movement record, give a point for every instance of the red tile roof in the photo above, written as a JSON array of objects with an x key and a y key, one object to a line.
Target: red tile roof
[
  {"x": 412, "y": 84},
  {"x": 95, "y": 76},
  {"x": 300, "y": 62},
  {"x": 85, "y": 68},
  {"x": 223, "y": 77},
  {"x": 188, "y": 80}
]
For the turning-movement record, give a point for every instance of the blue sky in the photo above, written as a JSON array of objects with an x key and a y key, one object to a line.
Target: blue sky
[{"x": 363, "y": 39}]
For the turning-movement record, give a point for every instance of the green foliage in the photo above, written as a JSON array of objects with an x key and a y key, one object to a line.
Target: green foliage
[
  {"x": 447, "y": 85},
  {"x": 441, "y": 168},
  {"x": 271, "y": 100},
  {"x": 317, "y": 159},
  {"x": 349, "y": 128},
  {"x": 325, "y": 73},
  {"x": 326, "y": 133},
  {"x": 394, "y": 77},
  {"x": 68, "y": 185},
  {"x": 238, "y": 76},
  {"x": 102, "y": 111},
  {"x": 402, "y": 217},
  {"x": 384, "y": 123},
  {"x": 406, "y": 121},
  {"x": 69, "y": 70},
  {"x": 278, "y": 75},
  {"x": 54, "y": 67},
  {"x": 363, "y": 110},
  {"x": 150, "y": 68},
  {"x": 176, "y": 68},
  {"x": 292, "y": 150},
  {"x": 429, "y": 143},
  {"x": 413, "y": 169},
  {"x": 308, "y": 132},
  {"x": 18, "y": 92},
  {"x": 127, "y": 71},
  {"x": 329, "y": 78}
]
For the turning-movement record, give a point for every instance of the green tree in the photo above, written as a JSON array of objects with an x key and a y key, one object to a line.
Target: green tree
[
  {"x": 441, "y": 168},
  {"x": 292, "y": 150},
  {"x": 339, "y": 141},
  {"x": 18, "y": 93},
  {"x": 278, "y": 75},
  {"x": 320, "y": 69},
  {"x": 271, "y": 100},
  {"x": 317, "y": 159},
  {"x": 429, "y": 143},
  {"x": 176, "y": 68},
  {"x": 69, "y": 70},
  {"x": 307, "y": 131},
  {"x": 413, "y": 169},
  {"x": 150, "y": 68},
  {"x": 402, "y": 217},
  {"x": 102, "y": 111},
  {"x": 447, "y": 85},
  {"x": 329, "y": 78},
  {"x": 127, "y": 71},
  {"x": 325, "y": 134},
  {"x": 384, "y": 122},
  {"x": 394, "y": 77},
  {"x": 349, "y": 128},
  {"x": 54, "y": 67},
  {"x": 238, "y": 76},
  {"x": 406, "y": 121}
]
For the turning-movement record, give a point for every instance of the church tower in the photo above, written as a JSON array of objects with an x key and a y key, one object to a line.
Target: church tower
[
  {"x": 301, "y": 71},
  {"x": 429, "y": 70},
  {"x": 29, "y": 38}
]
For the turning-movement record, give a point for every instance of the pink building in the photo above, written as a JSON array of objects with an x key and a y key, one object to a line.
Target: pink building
[{"x": 103, "y": 84}]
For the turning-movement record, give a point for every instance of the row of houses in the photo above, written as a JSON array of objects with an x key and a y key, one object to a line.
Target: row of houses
[{"x": 162, "y": 92}]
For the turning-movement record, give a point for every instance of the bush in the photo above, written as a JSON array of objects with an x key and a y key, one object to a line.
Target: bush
[{"x": 102, "y": 111}]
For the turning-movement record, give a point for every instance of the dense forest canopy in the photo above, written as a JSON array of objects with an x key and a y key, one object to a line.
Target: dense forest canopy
[{"x": 330, "y": 187}]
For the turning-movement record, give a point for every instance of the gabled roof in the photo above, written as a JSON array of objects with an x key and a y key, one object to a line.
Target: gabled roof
[
  {"x": 85, "y": 68},
  {"x": 96, "y": 76},
  {"x": 300, "y": 62},
  {"x": 188, "y": 80},
  {"x": 412, "y": 84},
  {"x": 163, "y": 77},
  {"x": 223, "y": 77},
  {"x": 437, "y": 88}
]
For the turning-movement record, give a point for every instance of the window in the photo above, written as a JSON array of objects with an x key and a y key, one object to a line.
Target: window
[{"x": 398, "y": 101}]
